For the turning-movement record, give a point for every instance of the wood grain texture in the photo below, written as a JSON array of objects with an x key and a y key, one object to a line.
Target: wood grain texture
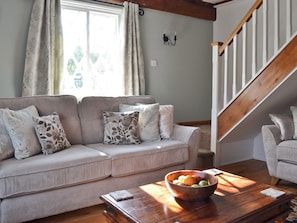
[
  {"x": 253, "y": 169},
  {"x": 193, "y": 8},
  {"x": 237, "y": 199},
  {"x": 258, "y": 89},
  {"x": 238, "y": 28}
]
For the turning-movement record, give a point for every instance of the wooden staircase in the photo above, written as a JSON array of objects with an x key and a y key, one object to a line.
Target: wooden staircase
[{"x": 243, "y": 75}]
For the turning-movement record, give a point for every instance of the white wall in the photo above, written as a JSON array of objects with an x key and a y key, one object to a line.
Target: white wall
[
  {"x": 14, "y": 22},
  {"x": 183, "y": 73},
  {"x": 182, "y": 76}
]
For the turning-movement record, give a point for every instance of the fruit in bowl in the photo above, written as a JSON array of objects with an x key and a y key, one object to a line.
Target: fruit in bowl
[{"x": 191, "y": 184}]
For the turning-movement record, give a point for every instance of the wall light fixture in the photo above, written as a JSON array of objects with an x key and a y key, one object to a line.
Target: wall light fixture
[{"x": 168, "y": 41}]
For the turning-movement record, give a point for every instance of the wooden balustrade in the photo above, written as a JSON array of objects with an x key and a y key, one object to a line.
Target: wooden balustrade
[{"x": 242, "y": 74}]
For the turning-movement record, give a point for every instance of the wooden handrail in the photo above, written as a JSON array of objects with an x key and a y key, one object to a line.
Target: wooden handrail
[{"x": 238, "y": 28}]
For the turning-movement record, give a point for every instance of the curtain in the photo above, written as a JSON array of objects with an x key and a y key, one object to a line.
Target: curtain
[
  {"x": 44, "y": 52},
  {"x": 133, "y": 56}
]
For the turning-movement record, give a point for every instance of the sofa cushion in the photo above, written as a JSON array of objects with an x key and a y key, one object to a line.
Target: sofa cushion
[
  {"x": 90, "y": 112},
  {"x": 121, "y": 128},
  {"x": 145, "y": 157},
  {"x": 285, "y": 125},
  {"x": 20, "y": 127},
  {"x": 148, "y": 123},
  {"x": 50, "y": 133},
  {"x": 64, "y": 105},
  {"x": 6, "y": 147},
  {"x": 294, "y": 114},
  {"x": 287, "y": 151},
  {"x": 73, "y": 166},
  {"x": 166, "y": 121}
]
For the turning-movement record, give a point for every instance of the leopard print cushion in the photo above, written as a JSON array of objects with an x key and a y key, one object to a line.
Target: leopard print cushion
[
  {"x": 50, "y": 133},
  {"x": 121, "y": 128}
]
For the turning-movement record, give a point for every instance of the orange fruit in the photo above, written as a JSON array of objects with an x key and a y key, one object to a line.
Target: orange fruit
[{"x": 190, "y": 180}]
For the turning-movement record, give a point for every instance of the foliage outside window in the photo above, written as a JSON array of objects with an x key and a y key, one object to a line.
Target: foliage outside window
[{"x": 92, "y": 64}]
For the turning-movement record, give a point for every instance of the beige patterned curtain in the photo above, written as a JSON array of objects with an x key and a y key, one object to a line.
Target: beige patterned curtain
[
  {"x": 44, "y": 53},
  {"x": 133, "y": 56}
]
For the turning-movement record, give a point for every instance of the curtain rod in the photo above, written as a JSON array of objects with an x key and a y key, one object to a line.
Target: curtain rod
[{"x": 141, "y": 11}]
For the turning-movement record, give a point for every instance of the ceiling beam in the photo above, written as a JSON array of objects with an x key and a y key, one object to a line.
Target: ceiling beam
[{"x": 193, "y": 8}]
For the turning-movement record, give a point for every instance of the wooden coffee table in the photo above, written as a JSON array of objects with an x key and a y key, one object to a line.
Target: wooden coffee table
[{"x": 237, "y": 199}]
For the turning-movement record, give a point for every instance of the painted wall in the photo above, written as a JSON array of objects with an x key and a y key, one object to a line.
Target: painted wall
[
  {"x": 183, "y": 73},
  {"x": 14, "y": 22},
  {"x": 182, "y": 76}
]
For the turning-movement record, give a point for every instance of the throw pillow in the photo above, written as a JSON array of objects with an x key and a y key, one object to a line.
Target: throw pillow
[
  {"x": 120, "y": 128},
  {"x": 20, "y": 127},
  {"x": 166, "y": 121},
  {"x": 6, "y": 147},
  {"x": 285, "y": 124},
  {"x": 50, "y": 133},
  {"x": 148, "y": 123},
  {"x": 294, "y": 114}
]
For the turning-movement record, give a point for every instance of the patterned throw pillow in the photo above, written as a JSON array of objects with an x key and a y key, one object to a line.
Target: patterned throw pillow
[
  {"x": 120, "y": 128},
  {"x": 50, "y": 133},
  {"x": 20, "y": 127}
]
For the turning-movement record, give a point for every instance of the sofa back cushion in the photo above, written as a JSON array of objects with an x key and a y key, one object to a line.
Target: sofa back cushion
[
  {"x": 90, "y": 112},
  {"x": 64, "y": 105}
]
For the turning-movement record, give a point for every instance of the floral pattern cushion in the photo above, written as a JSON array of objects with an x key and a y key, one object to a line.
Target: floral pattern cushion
[
  {"x": 50, "y": 133},
  {"x": 121, "y": 128}
]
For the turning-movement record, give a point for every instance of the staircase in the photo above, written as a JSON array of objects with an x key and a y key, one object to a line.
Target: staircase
[{"x": 250, "y": 65}]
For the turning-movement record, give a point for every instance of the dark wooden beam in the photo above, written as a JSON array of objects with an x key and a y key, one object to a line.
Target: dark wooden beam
[{"x": 193, "y": 8}]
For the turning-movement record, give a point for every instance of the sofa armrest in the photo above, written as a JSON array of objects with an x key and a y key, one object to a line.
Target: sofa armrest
[
  {"x": 191, "y": 136},
  {"x": 271, "y": 138}
]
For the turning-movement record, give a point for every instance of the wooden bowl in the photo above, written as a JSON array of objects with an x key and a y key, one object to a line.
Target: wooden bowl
[{"x": 187, "y": 192}]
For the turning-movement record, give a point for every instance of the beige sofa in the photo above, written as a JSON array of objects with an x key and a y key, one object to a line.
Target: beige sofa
[
  {"x": 281, "y": 155},
  {"x": 44, "y": 185}
]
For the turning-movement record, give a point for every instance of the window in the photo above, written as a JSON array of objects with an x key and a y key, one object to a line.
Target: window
[{"x": 92, "y": 63}]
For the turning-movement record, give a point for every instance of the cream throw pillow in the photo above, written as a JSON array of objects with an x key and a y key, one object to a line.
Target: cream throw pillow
[
  {"x": 148, "y": 122},
  {"x": 294, "y": 114},
  {"x": 6, "y": 147},
  {"x": 166, "y": 121},
  {"x": 20, "y": 127},
  {"x": 285, "y": 124}
]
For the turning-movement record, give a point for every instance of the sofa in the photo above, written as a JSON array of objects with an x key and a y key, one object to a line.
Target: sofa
[
  {"x": 280, "y": 146},
  {"x": 45, "y": 184}
]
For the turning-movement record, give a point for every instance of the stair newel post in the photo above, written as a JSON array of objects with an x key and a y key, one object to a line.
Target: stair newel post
[{"x": 214, "y": 146}]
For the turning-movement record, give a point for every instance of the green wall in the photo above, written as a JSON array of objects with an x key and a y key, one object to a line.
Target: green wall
[{"x": 182, "y": 76}]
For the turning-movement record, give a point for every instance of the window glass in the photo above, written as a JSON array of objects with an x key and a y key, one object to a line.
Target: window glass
[{"x": 91, "y": 49}]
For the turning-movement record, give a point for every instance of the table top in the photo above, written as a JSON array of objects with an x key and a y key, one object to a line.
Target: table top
[{"x": 236, "y": 199}]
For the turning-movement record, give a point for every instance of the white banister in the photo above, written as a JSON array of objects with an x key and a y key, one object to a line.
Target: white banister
[
  {"x": 244, "y": 46},
  {"x": 264, "y": 55},
  {"x": 226, "y": 55},
  {"x": 288, "y": 20},
  {"x": 276, "y": 28},
  {"x": 215, "y": 100},
  {"x": 246, "y": 59},
  {"x": 234, "y": 66},
  {"x": 254, "y": 43}
]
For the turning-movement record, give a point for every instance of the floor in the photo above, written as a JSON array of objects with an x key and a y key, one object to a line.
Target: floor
[{"x": 253, "y": 169}]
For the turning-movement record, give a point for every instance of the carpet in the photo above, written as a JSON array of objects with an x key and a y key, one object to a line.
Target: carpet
[{"x": 292, "y": 217}]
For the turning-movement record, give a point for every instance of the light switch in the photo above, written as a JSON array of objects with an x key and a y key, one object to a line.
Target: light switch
[{"x": 153, "y": 63}]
